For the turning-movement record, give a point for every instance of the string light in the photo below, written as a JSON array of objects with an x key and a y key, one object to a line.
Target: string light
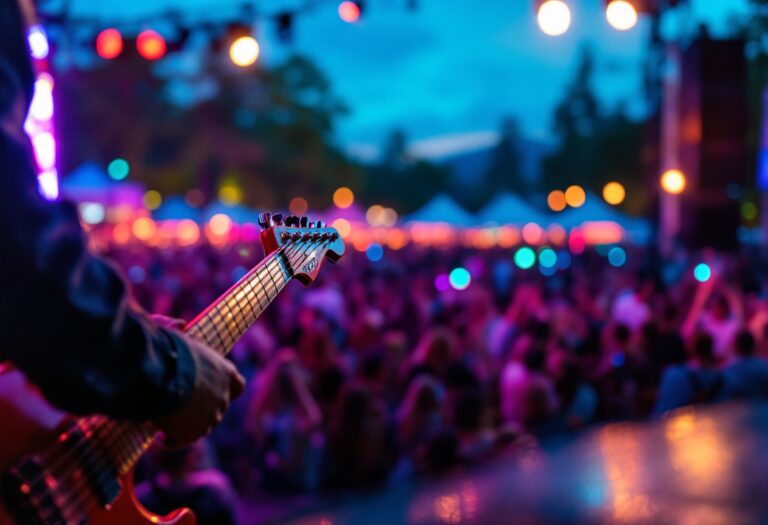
[
  {"x": 575, "y": 196},
  {"x": 244, "y": 51},
  {"x": 109, "y": 44},
  {"x": 554, "y": 17},
  {"x": 350, "y": 12},
  {"x": 151, "y": 45},
  {"x": 673, "y": 182},
  {"x": 614, "y": 193},
  {"x": 621, "y": 14}
]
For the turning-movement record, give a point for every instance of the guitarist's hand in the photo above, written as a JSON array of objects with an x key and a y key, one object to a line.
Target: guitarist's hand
[{"x": 217, "y": 383}]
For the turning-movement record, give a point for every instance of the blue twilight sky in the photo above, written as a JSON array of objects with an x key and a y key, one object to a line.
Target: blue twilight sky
[{"x": 447, "y": 72}]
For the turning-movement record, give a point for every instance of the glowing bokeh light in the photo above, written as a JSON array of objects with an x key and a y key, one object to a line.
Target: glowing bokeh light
[
  {"x": 702, "y": 272},
  {"x": 195, "y": 198},
  {"x": 220, "y": 224},
  {"x": 547, "y": 258},
  {"x": 673, "y": 182},
  {"x": 244, "y": 51},
  {"x": 532, "y": 233},
  {"x": 460, "y": 278},
  {"x": 442, "y": 282},
  {"x": 343, "y": 227},
  {"x": 152, "y": 200},
  {"x": 230, "y": 195},
  {"x": 614, "y": 193},
  {"x": 48, "y": 183},
  {"x": 151, "y": 45},
  {"x": 45, "y": 150},
  {"x": 621, "y": 14},
  {"x": 749, "y": 211},
  {"x": 298, "y": 206},
  {"x": 564, "y": 260},
  {"x": 41, "y": 108},
  {"x": 144, "y": 228},
  {"x": 188, "y": 232},
  {"x": 349, "y": 12},
  {"x": 554, "y": 17},
  {"x": 575, "y": 196},
  {"x": 556, "y": 200},
  {"x": 343, "y": 198},
  {"x": 92, "y": 212},
  {"x": 617, "y": 257},
  {"x": 374, "y": 252},
  {"x": 375, "y": 215},
  {"x": 119, "y": 169},
  {"x": 38, "y": 42},
  {"x": 109, "y": 44},
  {"x": 525, "y": 258}
]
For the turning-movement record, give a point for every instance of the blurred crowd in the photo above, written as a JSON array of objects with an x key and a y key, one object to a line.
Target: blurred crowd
[{"x": 375, "y": 375}]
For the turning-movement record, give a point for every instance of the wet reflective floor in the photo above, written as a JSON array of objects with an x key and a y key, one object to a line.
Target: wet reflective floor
[{"x": 696, "y": 466}]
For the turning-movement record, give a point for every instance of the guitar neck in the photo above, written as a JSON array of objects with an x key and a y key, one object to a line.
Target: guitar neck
[
  {"x": 220, "y": 326},
  {"x": 226, "y": 319}
]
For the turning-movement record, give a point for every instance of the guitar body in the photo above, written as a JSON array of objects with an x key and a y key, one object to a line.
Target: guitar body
[{"x": 30, "y": 425}]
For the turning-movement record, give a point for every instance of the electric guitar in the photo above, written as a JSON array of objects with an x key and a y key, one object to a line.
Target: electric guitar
[{"x": 56, "y": 469}]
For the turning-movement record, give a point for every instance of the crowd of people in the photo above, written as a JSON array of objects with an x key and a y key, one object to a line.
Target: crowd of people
[{"x": 374, "y": 374}]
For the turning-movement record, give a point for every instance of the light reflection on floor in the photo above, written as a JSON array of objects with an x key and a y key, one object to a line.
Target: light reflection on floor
[{"x": 703, "y": 466}]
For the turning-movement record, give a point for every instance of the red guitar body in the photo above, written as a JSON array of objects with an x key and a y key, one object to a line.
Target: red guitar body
[{"x": 30, "y": 425}]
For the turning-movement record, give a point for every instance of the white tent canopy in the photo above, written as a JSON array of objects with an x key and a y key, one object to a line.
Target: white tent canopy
[
  {"x": 443, "y": 209},
  {"x": 511, "y": 209}
]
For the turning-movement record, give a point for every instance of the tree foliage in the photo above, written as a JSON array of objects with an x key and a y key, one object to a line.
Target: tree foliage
[{"x": 595, "y": 147}]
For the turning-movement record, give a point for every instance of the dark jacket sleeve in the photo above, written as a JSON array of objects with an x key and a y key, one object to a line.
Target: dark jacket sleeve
[{"x": 65, "y": 316}]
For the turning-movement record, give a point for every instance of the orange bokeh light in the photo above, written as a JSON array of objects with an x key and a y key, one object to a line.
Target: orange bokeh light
[{"x": 556, "y": 200}]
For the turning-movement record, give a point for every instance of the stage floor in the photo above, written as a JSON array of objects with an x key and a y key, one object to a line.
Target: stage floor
[{"x": 696, "y": 466}]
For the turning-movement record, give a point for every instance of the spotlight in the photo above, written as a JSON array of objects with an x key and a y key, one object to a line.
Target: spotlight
[
  {"x": 621, "y": 14},
  {"x": 554, "y": 17},
  {"x": 244, "y": 51},
  {"x": 673, "y": 182}
]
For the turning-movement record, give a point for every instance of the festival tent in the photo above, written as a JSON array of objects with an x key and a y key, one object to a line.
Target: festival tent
[
  {"x": 175, "y": 208},
  {"x": 595, "y": 209},
  {"x": 511, "y": 209},
  {"x": 90, "y": 183},
  {"x": 442, "y": 209}
]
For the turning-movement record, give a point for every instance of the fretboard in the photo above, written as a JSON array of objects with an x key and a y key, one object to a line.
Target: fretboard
[
  {"x": 220, "y": 326},
  {"x": 227, "y": 319}
]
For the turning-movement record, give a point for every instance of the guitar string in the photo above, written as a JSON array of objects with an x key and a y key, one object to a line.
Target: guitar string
[
  {"x": 137, "y": 428},
  {"x": 114, "y": 434}
]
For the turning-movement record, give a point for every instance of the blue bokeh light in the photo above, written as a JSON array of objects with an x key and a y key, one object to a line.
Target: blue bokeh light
[
  {"x": 525, "y": 258},
  {"x": 702, "y": 272},
  {"x": 119, "y": 169},
  {"x": 374, "y": 252},
  {"x": 617, "y": 257},
  {"x": 460, "y": 278},
  {"x": 547, "y": 258}
]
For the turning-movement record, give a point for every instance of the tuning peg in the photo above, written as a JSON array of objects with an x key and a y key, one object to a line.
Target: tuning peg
[
  {"x": 319, "y": 224},
  {"x": 265, "y": 220},
  {"x": 304, "y": 221},
  {"x": 277, "y": 219},
  {"x": 311, "y": 224},
  {"x": 288, "y": 221}
]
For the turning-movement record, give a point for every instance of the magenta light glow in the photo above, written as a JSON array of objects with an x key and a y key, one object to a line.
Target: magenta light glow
[{"x": 39, "y": 123}]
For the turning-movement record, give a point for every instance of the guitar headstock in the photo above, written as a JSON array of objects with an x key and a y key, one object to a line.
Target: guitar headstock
[{"x": 306, "y": 243}]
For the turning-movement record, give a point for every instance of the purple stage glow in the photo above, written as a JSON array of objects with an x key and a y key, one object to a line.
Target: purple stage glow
[{"x": 39, "y": 123}]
